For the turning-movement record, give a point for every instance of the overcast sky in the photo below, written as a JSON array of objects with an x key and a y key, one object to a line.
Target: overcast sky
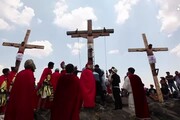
[{"x": 50, "y": 20}]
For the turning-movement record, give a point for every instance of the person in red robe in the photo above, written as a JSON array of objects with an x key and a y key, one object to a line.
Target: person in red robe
[
  {"x": 3, "y": 90},
  {"x": 55, "y": 78},
  {"x": 67, "y": 98},
  {"x": 135, "y": 88},
  {"x": 88, "y": 84},
  {"x": 44, "y": 88},
  {"x": 21, "y": 99}
]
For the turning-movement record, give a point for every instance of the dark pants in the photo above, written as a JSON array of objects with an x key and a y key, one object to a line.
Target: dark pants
[
  {"x": 99, "y": 91},
  {"x": 117, "y": 98}
]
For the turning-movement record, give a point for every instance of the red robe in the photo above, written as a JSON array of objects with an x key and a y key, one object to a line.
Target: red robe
[
  {"x": 43, "y": 103},
  {"x": 46, "y": 71},
  {"x": 88, "y": 84},
  {"x": 67, "y": 99},
  {"x": 54, "y": 79},
  {"x": 21, "y": 100},
  {"x": 63, "y": 72},
  {"x": 140, "y": 101}
]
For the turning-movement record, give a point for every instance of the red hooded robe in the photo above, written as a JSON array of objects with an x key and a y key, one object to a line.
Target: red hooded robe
[
  {"x": 67, "y": 99},
  {"x": 42, "y": 103},
  {"x": 88, "y": 84},
  {"x": 54, "y": 79},
  {"x": 45, "y": 73},
  {"x": 140, "y": 101},
  {"x": 21, "y": 100}
]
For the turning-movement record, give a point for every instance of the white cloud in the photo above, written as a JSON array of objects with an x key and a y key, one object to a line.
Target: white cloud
[
  {"x": 76, "y": 47},
  {"x": 113, "y": 51},
  {"x": 4, "y": 25},
  {"x": 40, "y": 53},
  {"x": 76, "y": 18},
  {"x": 123, "y": 7},
  {"x": 14, "y": 12},
  {"x": 176, "y": 50},
  {"x": 169, "y": 15}
]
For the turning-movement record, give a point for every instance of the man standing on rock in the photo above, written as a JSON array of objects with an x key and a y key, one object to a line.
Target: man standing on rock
[
  {"x": 137, "y": 98},
  {"x": 67, "y": 98},
  {"x": 21, "y": 99},
  {"x": 116, "y": 89}
]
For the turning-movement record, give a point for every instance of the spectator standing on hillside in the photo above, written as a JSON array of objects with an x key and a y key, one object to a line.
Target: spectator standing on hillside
[{"x": 137, "y": 98}]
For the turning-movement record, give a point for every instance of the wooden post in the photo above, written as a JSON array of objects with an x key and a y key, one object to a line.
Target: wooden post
[
  {"x": 22, "y": 46},
  {"x": 159, "y": 93},
  {"x": 90, "y": 34}
]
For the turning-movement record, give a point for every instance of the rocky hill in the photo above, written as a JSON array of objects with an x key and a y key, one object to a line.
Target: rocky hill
[{"x": 169, "y": 110}]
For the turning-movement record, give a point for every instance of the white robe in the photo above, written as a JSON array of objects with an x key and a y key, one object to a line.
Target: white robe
[{"x": 127, "y": 86}]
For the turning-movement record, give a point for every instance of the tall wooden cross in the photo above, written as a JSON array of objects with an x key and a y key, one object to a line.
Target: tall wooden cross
[
  {"x": 90, "y": 34},
  {"x": 22, "y": 47},
  {"x": 159, "y": 93}
]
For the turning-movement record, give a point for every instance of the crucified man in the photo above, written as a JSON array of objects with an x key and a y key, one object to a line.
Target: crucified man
[{"x": 152, "y": 59}]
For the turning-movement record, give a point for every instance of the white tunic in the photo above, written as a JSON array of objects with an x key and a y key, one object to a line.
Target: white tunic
[{"x": 127, "y": 86}]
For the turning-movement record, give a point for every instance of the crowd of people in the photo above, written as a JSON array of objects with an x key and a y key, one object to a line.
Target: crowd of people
[{"x": 65, "y": 93}]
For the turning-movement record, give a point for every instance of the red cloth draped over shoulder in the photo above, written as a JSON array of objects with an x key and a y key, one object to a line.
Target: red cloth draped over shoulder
[
  {"x": 21, "y": 101},
  {"x": 54, "y": 79},
  {"x": 44, "y": 103},
  {"x": 44, "y": 74},
  {"x": 2, "y": 79},
  {"x": 140, "y": 101},
  {"x": 88, "y": 84},
  {"x": 67, "y": 98}
]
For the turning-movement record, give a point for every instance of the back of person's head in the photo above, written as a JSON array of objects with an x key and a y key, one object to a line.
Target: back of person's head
[
  {"x": 29, "y": 64},
  {"x": 69, "y": 68},
  {"x": 131, "y": 70},
  {"x": 163, "y": 78},
  {"x": 5, "y": 71},
  {"x": 167, "y": 72},
  {"x": 151, "y": 85},
  {"x": 57, "y": 70},
  {"x": 96, "y": 66},
  {"x": 50, "y": 65}
]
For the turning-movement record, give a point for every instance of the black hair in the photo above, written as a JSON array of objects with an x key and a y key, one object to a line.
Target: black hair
[
  {"x": 5, "y": 70},
  {"x": 50, "y": 64},
  {"x": 97, "y": 66},
  {"x": 131, "y": 70},
  {"x": 69, "y": 68}
]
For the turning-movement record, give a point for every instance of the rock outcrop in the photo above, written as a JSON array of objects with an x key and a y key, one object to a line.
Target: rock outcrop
[{"x": 169, "y": 110}]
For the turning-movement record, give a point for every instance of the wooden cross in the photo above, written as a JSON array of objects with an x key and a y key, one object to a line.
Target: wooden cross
[
  {"x": 90, "y": 35},
  {"x": 22, "y": 46},
  {"x": 159, "y": 93}
]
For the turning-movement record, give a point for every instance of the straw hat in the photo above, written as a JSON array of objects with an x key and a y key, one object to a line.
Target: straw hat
[{"x": 114, "y": 70}]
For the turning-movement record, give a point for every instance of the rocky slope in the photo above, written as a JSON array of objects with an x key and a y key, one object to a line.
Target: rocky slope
[{"x": 169, "y": 110}]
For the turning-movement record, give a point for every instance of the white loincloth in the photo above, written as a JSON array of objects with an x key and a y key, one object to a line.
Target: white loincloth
[
  {"x": 152, "y": 59},
  {"x": 19, "y": 56}
]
